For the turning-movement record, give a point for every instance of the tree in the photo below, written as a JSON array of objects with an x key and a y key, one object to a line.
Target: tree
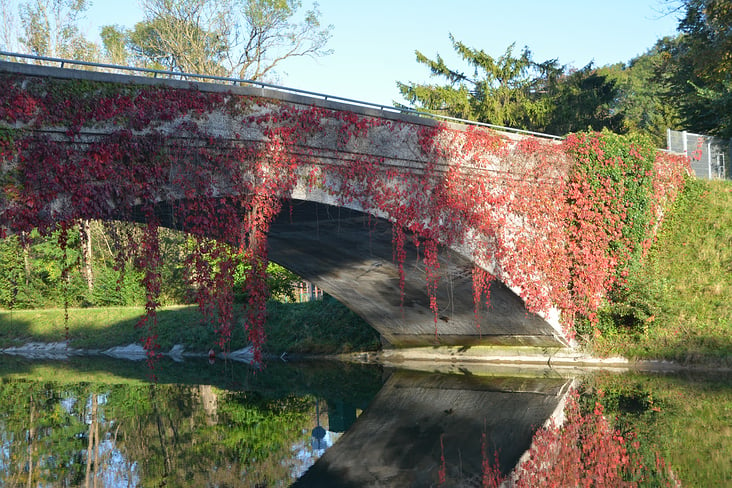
[
  {"x": 698, "y": 67},
  {"x": 12, "y": 275},
  {"x": 241, "y": 38},
  {"x": 516, "y": 91},
  {"x": 642, "y": 94},
  {"x": 503, "y": 91},
  {"x": 179, "y": 36},
  {"x": 583, "y": 99},
  {"x": 707, "y": 36},
  {"x": 8, "y": 34},
  {"x": 47, "y": 28}
]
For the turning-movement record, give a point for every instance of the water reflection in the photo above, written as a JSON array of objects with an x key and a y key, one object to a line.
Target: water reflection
[
  {"x": 304, "y": 425},
  {"x": 260, "y": 428},
  {"x": 425, "y": 428},
  {"x": 113, "y": 433}
]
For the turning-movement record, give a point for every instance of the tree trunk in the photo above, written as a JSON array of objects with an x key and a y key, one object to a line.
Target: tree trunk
[
  {"x": 87, "y": 253},
  {"x": 91, "y": 454},
  {"x": 210, "y": 402},
  {"x": 31, "y": 442},
  {"x": 26, "y": 258}
]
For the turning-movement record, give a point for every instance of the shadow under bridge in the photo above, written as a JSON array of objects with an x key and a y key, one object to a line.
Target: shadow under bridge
[{"x": 349, "y": 255}]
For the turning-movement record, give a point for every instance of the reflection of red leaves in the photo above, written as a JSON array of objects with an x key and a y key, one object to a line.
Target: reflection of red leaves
[
  {"x": 442, "y": 473},
  {"x": 586, "y": 451},
  {"x": 583, "y": 451}
]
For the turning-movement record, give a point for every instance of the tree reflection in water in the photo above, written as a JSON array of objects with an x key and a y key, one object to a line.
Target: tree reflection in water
[
  {"x": 121, "y": 435},
  {"x": 420, "y": 429},
  {"x": 242, "y": 428}
]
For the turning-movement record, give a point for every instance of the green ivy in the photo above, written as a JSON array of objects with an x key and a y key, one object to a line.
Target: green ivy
[{"x": 626, "y": 163}]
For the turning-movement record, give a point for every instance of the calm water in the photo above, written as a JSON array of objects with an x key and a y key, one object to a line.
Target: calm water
[{"x": 103, "y": 423}]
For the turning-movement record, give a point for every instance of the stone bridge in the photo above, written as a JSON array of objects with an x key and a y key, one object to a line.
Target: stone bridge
[{"x": 365, "y": 249}]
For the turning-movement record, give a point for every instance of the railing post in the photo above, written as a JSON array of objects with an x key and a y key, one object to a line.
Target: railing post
[{"x": 686, "y": 143}]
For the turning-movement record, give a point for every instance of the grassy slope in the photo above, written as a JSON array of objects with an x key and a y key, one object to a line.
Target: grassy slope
[{"x": 688, "y": 280}]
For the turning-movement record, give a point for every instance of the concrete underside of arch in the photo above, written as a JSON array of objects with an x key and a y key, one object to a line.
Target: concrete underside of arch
[{"x": 350, "y": 256}]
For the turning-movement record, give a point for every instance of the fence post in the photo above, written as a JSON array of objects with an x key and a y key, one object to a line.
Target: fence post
[
  {"x": 686, "y": 143},
  {"x": 721, "y": 171}
]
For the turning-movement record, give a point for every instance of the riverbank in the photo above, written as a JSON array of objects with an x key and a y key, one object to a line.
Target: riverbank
[
  {"x": 678, "y": 306},
  {"x": 309, "y": 328},
  {"x": 520, "y": 361}
]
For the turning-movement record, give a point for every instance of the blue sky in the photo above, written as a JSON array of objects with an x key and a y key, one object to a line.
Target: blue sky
[{"x": 374, "y": 41}]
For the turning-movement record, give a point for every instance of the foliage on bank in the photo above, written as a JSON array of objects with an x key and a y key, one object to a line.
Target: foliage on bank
[
  {"x": 559, "y": 222},
  {"x": 31, "y": 271},
  {"x": 677, "y": 305},
  {"x": 683, "y": 418},
  {"x": 587, "y": 450}
]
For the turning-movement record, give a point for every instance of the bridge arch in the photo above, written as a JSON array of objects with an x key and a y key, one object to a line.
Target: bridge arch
[{"x": 350, "y": 255}]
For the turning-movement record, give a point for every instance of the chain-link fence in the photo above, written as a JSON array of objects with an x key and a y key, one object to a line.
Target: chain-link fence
[{"x": 710, "y": 156}]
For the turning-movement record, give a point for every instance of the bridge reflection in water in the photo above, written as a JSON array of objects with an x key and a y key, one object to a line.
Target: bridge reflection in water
[{"x": 420, "y": 424}]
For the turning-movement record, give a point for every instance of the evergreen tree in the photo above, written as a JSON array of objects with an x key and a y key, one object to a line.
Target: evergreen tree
[
  {"x": 504, "y": 91},
  {"x": 516, "y": 91}
]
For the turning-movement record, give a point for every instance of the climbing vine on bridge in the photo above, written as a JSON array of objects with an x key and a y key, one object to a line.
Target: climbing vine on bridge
[{"x": 558, "y": 222}]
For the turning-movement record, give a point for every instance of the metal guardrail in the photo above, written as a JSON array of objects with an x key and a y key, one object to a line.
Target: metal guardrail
[{"x": 239, "y": 81}]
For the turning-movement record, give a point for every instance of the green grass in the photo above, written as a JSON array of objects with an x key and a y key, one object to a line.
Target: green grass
[
  {"x": 318, "y": 327},
  {"x": 87, "y": 328},
  {"x": 687, "y": 419},
  {"x": 323, "y": 327},
  {"x": 684, "y": 287}
]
